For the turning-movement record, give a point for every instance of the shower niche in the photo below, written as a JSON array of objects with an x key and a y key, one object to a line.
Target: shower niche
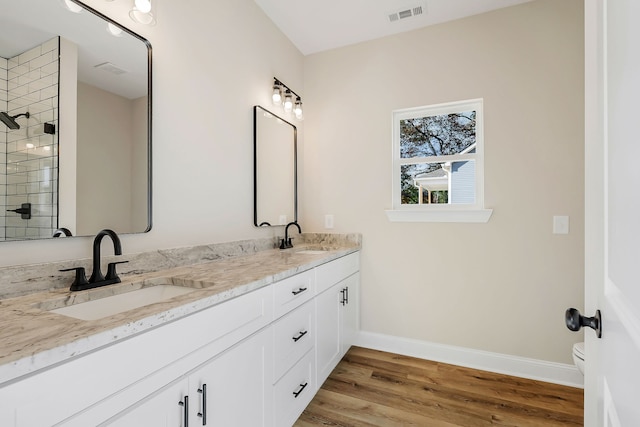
[{"x": 75, "y": 115}]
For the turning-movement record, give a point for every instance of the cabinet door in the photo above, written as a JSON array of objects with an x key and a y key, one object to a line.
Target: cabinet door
[
  {"x": 328, "y": 324},
  {"x": 231, "y": 390},
  {"x": 350, "y": 312},
  {"x": 164, "y": 408}
]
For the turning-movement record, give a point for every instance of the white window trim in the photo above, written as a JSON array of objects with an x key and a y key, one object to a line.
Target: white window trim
[{"x": 441, "y": 212}]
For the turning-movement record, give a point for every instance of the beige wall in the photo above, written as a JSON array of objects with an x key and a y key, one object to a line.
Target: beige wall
[
  {"x": 113, "y": 152},
  {"x": 140, "y": 160},
  {"x": 104, "y": 153},
  {"x": 501, "y": 286},
  {"x": 212, "y": 61}
]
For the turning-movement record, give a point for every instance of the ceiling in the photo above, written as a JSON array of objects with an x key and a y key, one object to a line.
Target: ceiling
[{"x": 315, "y": 26}]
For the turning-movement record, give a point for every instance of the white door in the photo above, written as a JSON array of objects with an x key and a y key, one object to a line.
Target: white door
[{"x": 612, "y": 211}]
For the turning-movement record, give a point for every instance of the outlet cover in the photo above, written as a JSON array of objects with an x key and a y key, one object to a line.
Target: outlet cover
[
  {"x": 560, "y": 224},
  {"x": 328, "y": 221}
]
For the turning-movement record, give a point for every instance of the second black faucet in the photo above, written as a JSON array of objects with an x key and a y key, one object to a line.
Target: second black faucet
[{"x": 286, "y": 242}]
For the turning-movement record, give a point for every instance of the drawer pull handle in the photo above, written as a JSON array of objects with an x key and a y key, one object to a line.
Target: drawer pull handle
[
  {"x": 300, "y": 335},
  {"x": 302, "y": 387},
  {"x": 203, "y": 414},
  {"x": 185, "y": 405},
  {"x": 299, "y": 291}
]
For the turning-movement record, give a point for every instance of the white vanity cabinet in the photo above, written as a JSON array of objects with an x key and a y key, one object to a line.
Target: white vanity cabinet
[
  {"x": 230, "y": 390},
  {"x": 337, "y": 312},
  {"x": 88, "y": 390},
  {"x": 255, "y": 360},
  {"x": 159, "y": 410}
]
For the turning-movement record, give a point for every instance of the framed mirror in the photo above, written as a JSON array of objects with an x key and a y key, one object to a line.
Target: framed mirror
[
  {"x": 275, "y": 169},
  {"x": 81, "y": 160}
]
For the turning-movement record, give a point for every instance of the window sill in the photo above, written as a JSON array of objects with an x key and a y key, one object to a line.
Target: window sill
[{"x": 439, "y": 215}]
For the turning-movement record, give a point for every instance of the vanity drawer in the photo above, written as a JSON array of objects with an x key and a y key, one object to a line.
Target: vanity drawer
[
  {"x": 332, "y": 272},
  {"x": 292, "y": 292},
  {"x": 294, "y": 391},
  {"x": 293, "y": 336}
]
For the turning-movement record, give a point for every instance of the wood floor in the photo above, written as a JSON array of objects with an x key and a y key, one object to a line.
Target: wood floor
[{"x": 373, "y": 388}]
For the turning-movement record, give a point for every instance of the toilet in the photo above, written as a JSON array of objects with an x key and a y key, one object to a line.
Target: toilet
[{"x": 578, "y": 356}]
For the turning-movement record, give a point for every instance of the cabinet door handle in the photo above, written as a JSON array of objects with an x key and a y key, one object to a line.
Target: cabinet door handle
[
  {"x": 302, "y": 387},
  {"x": 300, "y": 335},
  {"x": 299, "y": 291},
  {"x": 203, "y": 414},
  {"x": 343, "y": 300},
  {"x": 185, "y": 406}
]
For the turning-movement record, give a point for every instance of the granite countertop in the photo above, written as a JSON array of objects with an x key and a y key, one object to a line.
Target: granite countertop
[{"x": 32, "y": 338}]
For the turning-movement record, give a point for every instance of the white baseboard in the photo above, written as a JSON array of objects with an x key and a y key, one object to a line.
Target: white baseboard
[{"x": 557, "y": 373}]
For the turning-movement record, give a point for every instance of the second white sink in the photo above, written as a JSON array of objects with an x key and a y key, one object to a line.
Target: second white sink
[
  {"x": 311, "y": 252},
  {"x": 114, "y": 304}
]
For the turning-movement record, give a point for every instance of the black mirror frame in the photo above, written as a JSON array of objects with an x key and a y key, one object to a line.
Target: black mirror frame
[
  {"x": 149, "y": 103},
  {"x": 255, "y": 167}
]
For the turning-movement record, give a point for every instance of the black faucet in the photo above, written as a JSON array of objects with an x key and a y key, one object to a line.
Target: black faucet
[
  {"x": 62, "y": 231},
  {"x": 286, "y": 242},
  {"x": 97, "y": 279}
]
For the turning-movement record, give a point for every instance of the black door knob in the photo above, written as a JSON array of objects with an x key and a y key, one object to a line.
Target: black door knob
[{"x": 575, "y": 321}]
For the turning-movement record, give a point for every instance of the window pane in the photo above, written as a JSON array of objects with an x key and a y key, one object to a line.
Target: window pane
[
  {"x": 431, "y": 183},
  {"x": 437, "y": 135},
  {"x": 463, "y": 182}
]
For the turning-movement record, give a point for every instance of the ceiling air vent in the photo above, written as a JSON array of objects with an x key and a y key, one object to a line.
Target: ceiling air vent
[
  {"x": 405, "y": 13},
  {"x": 109, "y": 67}
]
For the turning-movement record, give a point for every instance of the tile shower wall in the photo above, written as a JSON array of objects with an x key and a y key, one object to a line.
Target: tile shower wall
[{"x": 31, "y": 156}]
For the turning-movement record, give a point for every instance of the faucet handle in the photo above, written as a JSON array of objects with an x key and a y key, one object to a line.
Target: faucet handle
[
  {"x": 80, "y": 282},
  {"x": 111, "y": 271}
]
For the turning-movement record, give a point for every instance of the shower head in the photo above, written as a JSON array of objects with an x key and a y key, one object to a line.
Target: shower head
[{"x": 10, "y": 121}]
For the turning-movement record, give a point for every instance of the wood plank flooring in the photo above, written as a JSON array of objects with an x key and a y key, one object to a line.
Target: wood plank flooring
[{"x": 374, "y": 388}]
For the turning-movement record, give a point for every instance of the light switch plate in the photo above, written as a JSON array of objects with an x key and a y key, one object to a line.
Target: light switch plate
[{"x": 560, "y": 224}]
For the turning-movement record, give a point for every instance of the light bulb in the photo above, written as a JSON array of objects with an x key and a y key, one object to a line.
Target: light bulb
[
  {"x": 277, "y": 94},
  {"x": 288, "y": 101},
  {"x": 114, "y": 30},
  {"x": 142, "y": 18},
  {"x": 73, "y": 7},
  {"x": 297, "y": 109},
  {"x": 143, "y": 6}
]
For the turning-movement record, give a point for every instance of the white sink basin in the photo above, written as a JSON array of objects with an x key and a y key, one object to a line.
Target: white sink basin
[{"x": 114, "y": 304}]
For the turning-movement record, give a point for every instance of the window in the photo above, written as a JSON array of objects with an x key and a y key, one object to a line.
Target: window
[{"x": 437, "y": 163}]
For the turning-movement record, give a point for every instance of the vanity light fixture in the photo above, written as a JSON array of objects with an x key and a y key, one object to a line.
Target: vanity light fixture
[
  {"x": 291, "y": 101},
  {"x": 141, "y": 12}
]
